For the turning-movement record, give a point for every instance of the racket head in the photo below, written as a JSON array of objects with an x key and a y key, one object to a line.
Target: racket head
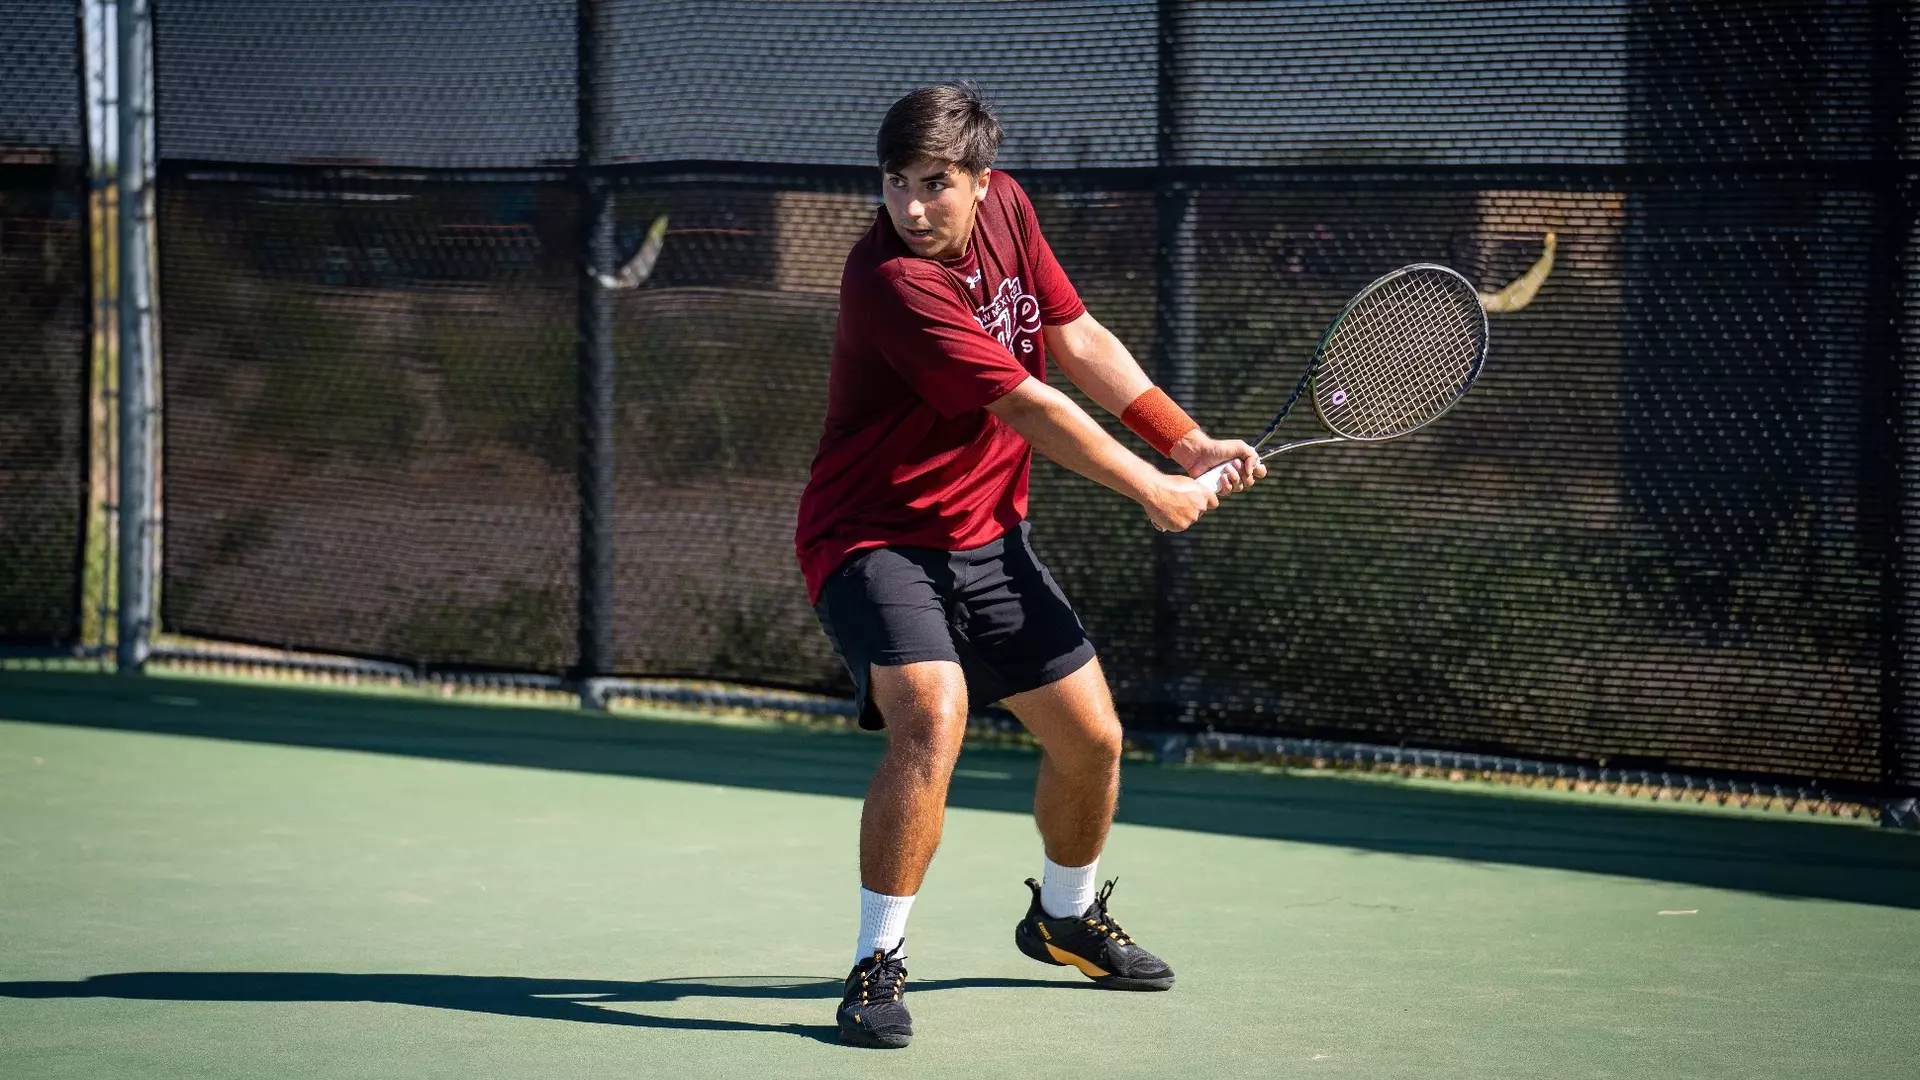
[{"x": 1401, "y": 353}]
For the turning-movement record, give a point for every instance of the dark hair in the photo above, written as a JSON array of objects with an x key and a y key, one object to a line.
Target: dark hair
[{"x": 949, "y": 122}]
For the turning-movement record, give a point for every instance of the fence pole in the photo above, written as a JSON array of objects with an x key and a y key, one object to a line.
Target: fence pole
[
  {"x": 595, "y": 363},
  {"x": 102, "y": 213},
  {"x": 137, "y": 406},
  {"x": 1887, "y": 461},
  {"x": 1173, "y": 686}
]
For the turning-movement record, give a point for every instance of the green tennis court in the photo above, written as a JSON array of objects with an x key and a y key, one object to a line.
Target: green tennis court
[{"x": 215, "y": 879}]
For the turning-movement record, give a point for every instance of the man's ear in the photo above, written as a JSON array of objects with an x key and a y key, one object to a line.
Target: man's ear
[{"x": 980, "y": 187}]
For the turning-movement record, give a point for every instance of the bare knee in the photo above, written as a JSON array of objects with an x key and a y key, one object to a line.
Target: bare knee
[
  {"x": 1092, "y": 745},
  {"x": 928, "y": 744},
  {"x": 926, "y": 715}
]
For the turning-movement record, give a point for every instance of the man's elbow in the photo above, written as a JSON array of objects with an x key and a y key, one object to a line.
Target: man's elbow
[
  {"x": 1080, "y": 345},
  {"x": 1025, "y": 405}
]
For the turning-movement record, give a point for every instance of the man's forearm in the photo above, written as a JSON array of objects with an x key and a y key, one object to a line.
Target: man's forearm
[
  {"x": 1100, "y": 365},
  {"x": 1062, "y": 431}
]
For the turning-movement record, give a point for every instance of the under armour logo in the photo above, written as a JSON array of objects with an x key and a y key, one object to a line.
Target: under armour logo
[{"x": 973, "y": 279}]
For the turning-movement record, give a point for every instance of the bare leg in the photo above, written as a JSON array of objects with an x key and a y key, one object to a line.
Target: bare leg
[
  {"x": 925, "y": 706},
  {"x": 1079, "y": 783}
]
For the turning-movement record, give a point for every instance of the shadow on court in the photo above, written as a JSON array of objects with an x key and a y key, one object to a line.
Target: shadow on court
[
  {"x": 585, "y": 1001},
  {"x": 1776, "y": 856}
]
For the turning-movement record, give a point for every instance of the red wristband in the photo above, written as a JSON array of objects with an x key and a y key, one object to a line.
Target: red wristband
[{"x": 1154, "y": 417}]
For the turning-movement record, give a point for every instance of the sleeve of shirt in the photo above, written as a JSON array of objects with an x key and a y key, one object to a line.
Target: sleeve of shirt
[
  {"x": 933, "y": 341},
  {"x": 1059, "y": 301}
]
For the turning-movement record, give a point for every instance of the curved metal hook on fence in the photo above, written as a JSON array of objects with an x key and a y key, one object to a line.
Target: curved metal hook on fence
[
  {"x": 635, "y": 271},
  {"x": 1521, "y": 290}
]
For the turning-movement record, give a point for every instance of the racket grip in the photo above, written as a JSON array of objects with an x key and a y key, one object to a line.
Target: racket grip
[{"x": 1211, "y": 478}]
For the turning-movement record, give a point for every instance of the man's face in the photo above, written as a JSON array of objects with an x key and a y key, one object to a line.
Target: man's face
[{"x": 932, "y": 203}]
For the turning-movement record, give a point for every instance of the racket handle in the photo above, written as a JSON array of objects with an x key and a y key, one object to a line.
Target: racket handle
[{"x": 1211, "y": 478}]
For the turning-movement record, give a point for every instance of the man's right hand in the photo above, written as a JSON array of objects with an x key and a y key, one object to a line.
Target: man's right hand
[{"x": 1175, "y": 502}]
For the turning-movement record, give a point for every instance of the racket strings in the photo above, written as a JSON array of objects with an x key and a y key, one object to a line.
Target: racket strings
[{"x": 1401, "y": 356}]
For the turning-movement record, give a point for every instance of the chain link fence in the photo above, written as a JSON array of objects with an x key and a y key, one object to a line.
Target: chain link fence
[
  {"x": 402, "y": 423},
  {"x": 44, "y": 319}
]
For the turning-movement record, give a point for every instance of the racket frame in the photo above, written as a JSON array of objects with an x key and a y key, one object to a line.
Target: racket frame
[{"x": 1309, "y": 380}]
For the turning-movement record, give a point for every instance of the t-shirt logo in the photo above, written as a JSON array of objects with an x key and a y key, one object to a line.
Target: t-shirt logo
[{"x": 1012, "y": 317}]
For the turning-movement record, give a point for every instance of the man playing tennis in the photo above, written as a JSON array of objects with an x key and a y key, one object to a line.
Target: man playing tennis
[{"x": 915, "y": 547}]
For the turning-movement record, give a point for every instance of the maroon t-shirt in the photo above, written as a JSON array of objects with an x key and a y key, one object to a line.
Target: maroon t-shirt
[{"x": 910, "y": 455}]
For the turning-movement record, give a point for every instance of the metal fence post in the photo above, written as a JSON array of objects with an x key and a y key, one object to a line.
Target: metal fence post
[
  {"x": 137, "y": 383},
  {"x": 1888, "y": 462},
  {"x": 99, "y": 107},
  {"x": 595, "y": 360},
  {"x": 1173, "y": 685}
]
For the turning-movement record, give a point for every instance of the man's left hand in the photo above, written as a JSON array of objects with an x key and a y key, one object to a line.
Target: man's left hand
[{"x": 1199, "y": 452}]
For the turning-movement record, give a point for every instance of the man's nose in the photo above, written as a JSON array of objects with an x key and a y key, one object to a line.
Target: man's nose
[{"x": 916, "y": 208}]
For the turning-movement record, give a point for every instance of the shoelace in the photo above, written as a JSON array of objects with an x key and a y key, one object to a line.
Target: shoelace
[
  {"x": 1103, "y": 920},
  {"x": 885, "y": 980}
]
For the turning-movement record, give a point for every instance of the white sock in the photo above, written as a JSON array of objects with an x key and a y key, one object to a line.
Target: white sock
[
  {"x": 883, "y": 923},
  {"x": 1066, "y": 891}
]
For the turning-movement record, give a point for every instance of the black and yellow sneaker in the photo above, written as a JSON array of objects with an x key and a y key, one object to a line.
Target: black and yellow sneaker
[
  {"x": 871, "y": 1012},
  {"x": 1093, "y": 942}
]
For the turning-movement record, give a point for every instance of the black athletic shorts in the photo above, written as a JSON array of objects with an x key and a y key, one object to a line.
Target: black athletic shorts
[{"x": 994, "y": 610}]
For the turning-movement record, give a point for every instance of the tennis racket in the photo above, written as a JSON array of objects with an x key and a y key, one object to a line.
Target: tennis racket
[{"x": 1399, "y": 355}]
